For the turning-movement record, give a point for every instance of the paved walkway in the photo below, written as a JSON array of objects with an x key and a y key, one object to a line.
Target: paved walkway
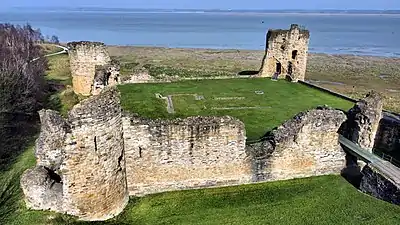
[{"x": 386, "y": 168}]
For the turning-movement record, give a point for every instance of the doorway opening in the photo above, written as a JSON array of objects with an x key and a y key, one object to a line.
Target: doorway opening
[
  {"x": 278, "y": 68},
  {"x": 294, "y": 54},
  {"x": 290, "y": 69}
]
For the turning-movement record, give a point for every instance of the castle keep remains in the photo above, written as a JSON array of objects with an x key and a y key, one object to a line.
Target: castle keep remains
[
  {"x": 91, "y": 67},
  {"x": 286, "y": 54}
]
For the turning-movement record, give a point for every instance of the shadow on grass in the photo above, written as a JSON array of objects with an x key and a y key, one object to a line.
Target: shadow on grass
[
  {"x": 17, "y": 133},
  {"x": 248, "y": 73}
]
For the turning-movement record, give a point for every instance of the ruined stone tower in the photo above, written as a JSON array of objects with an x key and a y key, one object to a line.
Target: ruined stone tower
[
  {"x": 286, "y": 53},
  {"x": 84, "y": 57},
  {"x": 80, "y": 161}
]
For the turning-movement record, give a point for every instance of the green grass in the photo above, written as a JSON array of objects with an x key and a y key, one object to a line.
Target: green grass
[
  {"x": 316, "y": 200},
  {"x": 12, "y": 206},
  {"x": 59, "y": 70},
  {"x": 284, "y": 100}
]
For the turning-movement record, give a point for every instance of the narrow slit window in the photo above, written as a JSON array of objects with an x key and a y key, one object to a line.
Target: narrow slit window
[{"x": 95, "y": 143}]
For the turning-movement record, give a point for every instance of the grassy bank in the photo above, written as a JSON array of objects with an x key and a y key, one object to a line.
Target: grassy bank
[
  {"x": 316, "y": 200},
  {"x": 350, "y": 75},
  {"x": 279, "y": 102}
]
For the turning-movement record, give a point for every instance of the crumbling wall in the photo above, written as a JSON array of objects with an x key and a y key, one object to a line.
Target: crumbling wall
[
  {"x": 379, "y": 186},
  {"x": 304, "y": 146},
  {"x": 388, "y": 135},
  {"x": 182, "y": 154},
  {"x": 289, "y": 48},
  {"x": 84, "y": 57},
  {"x": 363, "y": 121},
  {"x": 81, "y": 165},
  {"x": 106, "y": 75}
]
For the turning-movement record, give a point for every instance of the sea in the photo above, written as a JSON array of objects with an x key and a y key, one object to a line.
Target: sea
[{"x": 372, "y": 33}]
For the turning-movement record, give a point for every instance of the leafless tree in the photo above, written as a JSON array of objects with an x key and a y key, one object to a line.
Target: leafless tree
[{"x": 21, "y": 77}]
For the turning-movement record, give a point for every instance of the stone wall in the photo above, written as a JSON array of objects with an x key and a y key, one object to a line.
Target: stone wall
[
  {"x": 83, "y": 57},
  {"x": 388, "y": 135},
  {"x": 89, "y": 163},
  {"x": 305, "y": 146},
  {"x": 81, "y": 165},
  {"x": 363, "y": 121},
  {"x": 379, "y": 186},
  {"x": 182, "y": 154},
  {"x": 289, "y": 49}
]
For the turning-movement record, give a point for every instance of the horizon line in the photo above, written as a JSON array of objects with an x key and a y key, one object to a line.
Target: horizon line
[{"x": 203, "y": 9}]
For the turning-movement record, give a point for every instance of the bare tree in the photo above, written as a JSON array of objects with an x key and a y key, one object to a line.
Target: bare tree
[
  {"x": 54, "y": 39},
  {"x": 21, "y": 79}
]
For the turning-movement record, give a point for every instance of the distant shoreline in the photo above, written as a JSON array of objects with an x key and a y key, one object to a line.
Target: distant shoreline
[
  {"x": 243, "y": 50},
  {"x": 224, "y": 12}
]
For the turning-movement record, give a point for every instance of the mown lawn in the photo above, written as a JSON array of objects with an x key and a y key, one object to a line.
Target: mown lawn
[
  {"x": 281, "y": 101},
  {"x": 317, "y": 200}
]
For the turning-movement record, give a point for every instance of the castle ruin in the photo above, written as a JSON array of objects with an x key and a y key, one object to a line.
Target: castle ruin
[
  {"x": 91, "y": 67},
  {"x": 286, "y": 54},
  {"x": 90, "y": 163}
]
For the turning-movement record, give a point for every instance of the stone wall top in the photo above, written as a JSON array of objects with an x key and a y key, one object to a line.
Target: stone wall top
[
  {"x": 273, "y": 33},
  {"x": 75, "y": 44},
  {"x": 194, "y": 120},
  {"x": 96, "y": 108}
]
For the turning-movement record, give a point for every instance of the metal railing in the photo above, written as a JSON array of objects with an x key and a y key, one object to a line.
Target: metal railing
[{"x": 388, "y": 158}]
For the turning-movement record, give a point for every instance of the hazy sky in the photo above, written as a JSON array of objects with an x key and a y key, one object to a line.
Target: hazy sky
[{"x": 211, "y": 4}]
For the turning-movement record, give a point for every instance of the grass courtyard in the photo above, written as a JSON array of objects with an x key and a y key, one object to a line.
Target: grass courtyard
[{"x": 280, "y": 101}]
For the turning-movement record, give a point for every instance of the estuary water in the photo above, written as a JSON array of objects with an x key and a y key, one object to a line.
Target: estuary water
[{"x": 344, "y": 33}]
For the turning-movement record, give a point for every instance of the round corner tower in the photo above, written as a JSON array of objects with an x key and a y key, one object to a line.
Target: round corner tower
[
  {"x": 84, "y": 56},
  {"x": 286, "y": 53}
]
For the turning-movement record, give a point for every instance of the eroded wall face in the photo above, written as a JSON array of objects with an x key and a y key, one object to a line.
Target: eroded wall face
[
  {"x": 388, "y": 135},
  {"x": 83, "y": 60},
  {"x": 93, "y": 171},
  {"x": 286, "y": 47},
  {"x": 192, "y": 153},
  {"x": 379, "y": 186},
  {"x": 302, "y": 147}
]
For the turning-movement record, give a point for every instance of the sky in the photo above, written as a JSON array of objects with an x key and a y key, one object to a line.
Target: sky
[{"x": 211, "y": 4}]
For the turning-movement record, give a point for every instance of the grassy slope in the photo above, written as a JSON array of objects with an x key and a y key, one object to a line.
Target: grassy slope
[
  {"x": 284, "y": 99},
  {"x": 358, "y": 74},
  {"x": 12, "y": 206},
  {"x": 316, "y": 200}
]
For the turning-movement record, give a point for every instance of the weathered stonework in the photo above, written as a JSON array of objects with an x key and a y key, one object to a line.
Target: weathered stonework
[
  {"x": 388, "y": 135},
  {"x": 89, "y": 163},
  {"x": 305, "y": 146},
  {"x": 286, "y": 53},
  {"x": 84, "y": 57},
  {"x": 363, "y": 121},
  {"x": 89, "y": 180},
  {"x": 106, "y": 75},
  {"x": 182, "y": 154},
  {"x": 379, "y": 186}
]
